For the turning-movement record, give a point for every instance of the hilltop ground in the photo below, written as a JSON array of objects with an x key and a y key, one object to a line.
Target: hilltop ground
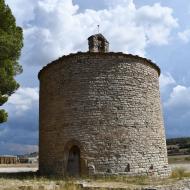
[{"x": 13, "y": 178}]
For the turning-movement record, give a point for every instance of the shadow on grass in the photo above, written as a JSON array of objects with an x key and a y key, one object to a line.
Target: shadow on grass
[
  {"x": 20, "y": 175},
  {"x": 35, "y": 176}
]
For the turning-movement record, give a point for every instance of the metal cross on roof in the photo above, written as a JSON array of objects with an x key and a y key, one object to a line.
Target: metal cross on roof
[{"x": 98, "y": 28}]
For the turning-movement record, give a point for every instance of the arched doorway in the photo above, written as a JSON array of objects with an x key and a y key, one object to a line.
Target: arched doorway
[{"x": 73, "y": 164}]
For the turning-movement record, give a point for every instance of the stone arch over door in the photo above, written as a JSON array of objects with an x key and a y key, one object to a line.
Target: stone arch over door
[{"x": 75, "y": 164}]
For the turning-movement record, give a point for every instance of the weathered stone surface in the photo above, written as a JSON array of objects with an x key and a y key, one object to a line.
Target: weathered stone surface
[
  {"x": 98, "y": 43},
  {"x": 108, "y": 105}
]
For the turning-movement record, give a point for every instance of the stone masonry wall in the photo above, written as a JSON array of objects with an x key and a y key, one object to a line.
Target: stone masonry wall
[{"x": 109, "y": 106}]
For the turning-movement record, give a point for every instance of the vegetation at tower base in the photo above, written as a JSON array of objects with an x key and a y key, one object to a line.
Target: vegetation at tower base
[{"x": 11, "y": 43}]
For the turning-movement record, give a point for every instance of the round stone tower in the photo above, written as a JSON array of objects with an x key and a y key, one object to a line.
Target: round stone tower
[{"x": 100, "y": 113}]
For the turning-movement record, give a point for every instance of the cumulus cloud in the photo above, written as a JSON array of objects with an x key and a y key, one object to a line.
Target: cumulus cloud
[
  {"x": 179, "y": 98},
  {"x": 58, "y": 27},
  {"x": 158, "y": 21},
  {"x": 176, "y": 104},
  {"x": 53, "y": 28},
  {"x": 114, "y": 3},
  {"x": 177, "y": 111},
  {"x": 167, "y": 83},
  {"x": 185, "y": 35},
  {"x": 21, "y": 130},
  {"x": 23, "y": 100},
  {"x": 23, "y": 10},
  {"x": 166, "y": 80}
]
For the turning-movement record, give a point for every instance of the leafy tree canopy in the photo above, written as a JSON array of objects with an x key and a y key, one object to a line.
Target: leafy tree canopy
[{"x": 11, "y": 43}]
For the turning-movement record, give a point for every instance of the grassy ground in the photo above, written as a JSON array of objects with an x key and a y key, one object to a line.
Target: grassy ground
[
  {"x": 179, "y": 159},
  {"x": 30, "y": 181}
]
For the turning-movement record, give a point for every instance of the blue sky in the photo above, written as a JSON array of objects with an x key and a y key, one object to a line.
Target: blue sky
[{"x": 155, "y": 29}]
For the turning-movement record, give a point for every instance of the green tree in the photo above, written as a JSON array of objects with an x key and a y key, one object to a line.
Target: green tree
[{"x": 11, "y": 43}]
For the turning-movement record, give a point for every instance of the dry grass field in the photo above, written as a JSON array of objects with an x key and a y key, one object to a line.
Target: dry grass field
[
  {"x": 179, "y": 159},
  {"x": 24, "y": 177},
  {"x": 31, "y": 181}
]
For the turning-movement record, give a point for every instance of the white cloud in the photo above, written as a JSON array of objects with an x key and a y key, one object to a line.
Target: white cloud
[
  {"x": 20, "y": 133},
  {"x": 53, "y": 28},
  {"x": 22, "y": 100},
  {"x": 23, "y": 10},
  {"x": 57, "y": 27},
  {"x": 166, "y": 80},
  {"x": 179, "y": 98},
  {"x": 177, "y": 112},
  {"x": 176, "y": 102},
  {"x": 185, "y": 35},
  {"x": 114, "y": 3},
  {"x": 157, "y": 21}
]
